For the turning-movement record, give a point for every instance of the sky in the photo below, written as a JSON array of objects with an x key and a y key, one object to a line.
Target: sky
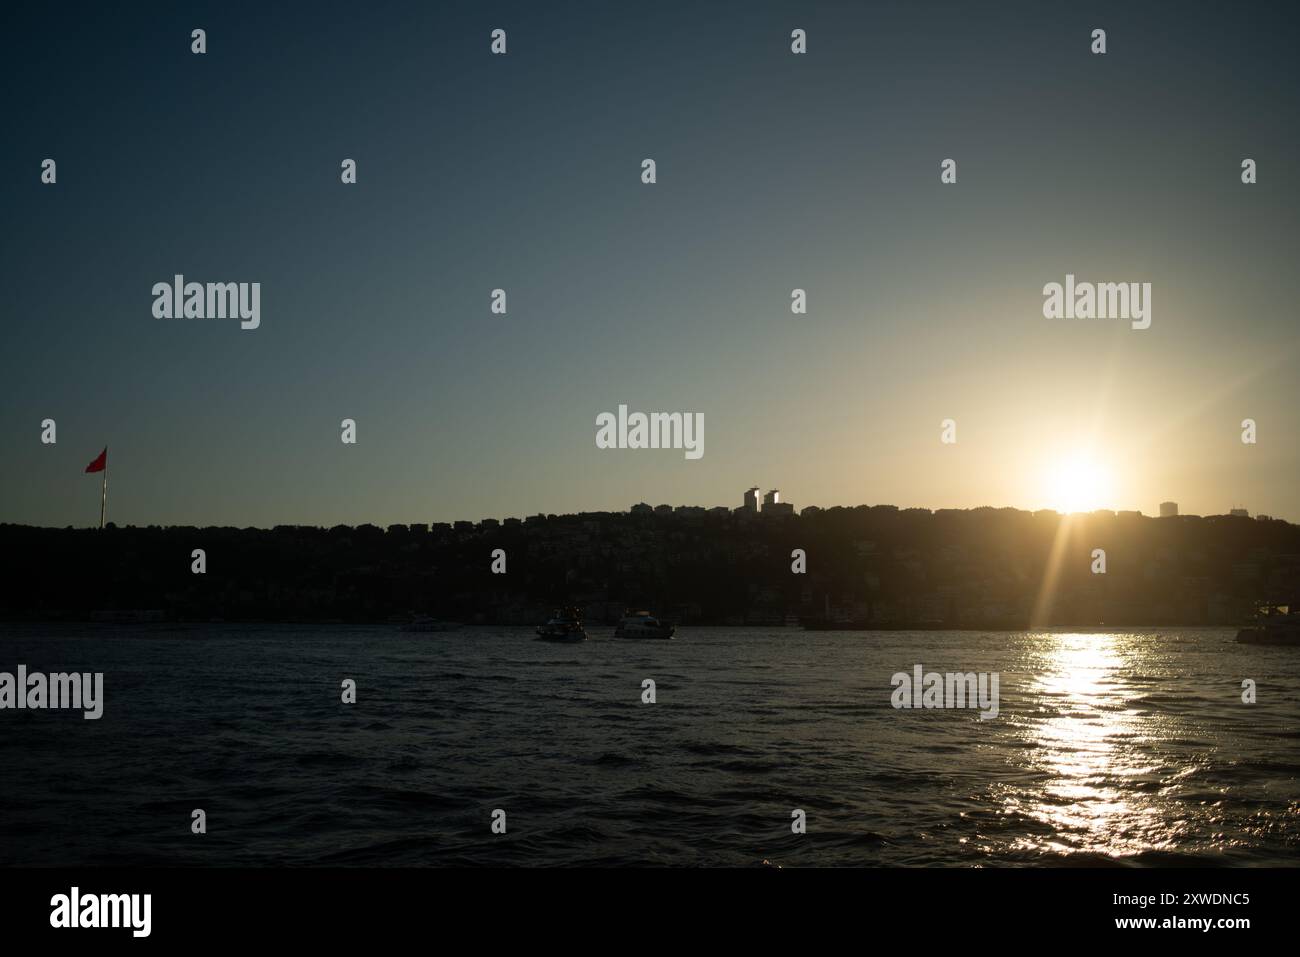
[{"x": 775, "y": 171}]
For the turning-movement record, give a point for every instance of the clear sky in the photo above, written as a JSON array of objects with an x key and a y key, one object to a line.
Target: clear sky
[{"x": 775, "y": 171}]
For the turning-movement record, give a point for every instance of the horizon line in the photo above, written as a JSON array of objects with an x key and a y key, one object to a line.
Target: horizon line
[{"x": 717, "y": 511}]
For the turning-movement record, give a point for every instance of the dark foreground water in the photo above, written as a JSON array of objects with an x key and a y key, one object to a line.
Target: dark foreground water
[{"x": 1113, "y": 747}]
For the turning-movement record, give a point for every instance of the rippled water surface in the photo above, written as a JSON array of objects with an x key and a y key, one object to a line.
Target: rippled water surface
[{"x": 1127, "y": 747}]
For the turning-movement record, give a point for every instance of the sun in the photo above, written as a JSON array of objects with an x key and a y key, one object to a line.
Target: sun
[{"x": 1078, "y": 483}]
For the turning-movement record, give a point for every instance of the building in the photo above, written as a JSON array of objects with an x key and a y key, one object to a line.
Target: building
[
  {"x": 1239, "y": 512},
  {"x": 1168, "y": 509},
  {"x": 772, "y": 504},
  {"x": 751, "y": 500}
]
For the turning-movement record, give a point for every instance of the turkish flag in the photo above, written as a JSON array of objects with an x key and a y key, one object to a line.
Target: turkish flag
[{"x": 100, "y": 463}]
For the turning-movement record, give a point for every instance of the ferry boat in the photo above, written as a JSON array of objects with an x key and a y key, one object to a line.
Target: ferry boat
[
  {"x": 642, "y": 624},
  {"x": 1273, "y": 625},
  {"x": 424, "y": 623},
  {"x": 563, "y": 626}
]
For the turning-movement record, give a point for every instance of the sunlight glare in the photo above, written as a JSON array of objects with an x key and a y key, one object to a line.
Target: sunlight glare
[{"x": 1078, "y": 484}]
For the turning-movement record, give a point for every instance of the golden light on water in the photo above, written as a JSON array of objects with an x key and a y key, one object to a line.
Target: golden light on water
[{"x": 1096, "y": 784}]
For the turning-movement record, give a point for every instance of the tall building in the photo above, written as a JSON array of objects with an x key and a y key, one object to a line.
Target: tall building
[
  {"x": 772, "y": 504},
  {"x": 1239, "y": 512},
  {"x": 751, "y": 500},
  {"x": 1168, "y": 509}
]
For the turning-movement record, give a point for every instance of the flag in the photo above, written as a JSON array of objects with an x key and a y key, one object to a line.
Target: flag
[{"x": 100, "y": 463}]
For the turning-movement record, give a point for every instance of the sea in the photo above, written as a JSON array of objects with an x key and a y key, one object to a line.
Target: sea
[{"x": 751, "y": 747}]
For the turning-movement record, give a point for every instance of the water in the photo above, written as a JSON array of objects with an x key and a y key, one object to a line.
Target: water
[{"x": 1128, "y": 747}]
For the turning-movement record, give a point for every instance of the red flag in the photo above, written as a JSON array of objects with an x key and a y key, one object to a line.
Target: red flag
[{"x": 100, "y": 463}]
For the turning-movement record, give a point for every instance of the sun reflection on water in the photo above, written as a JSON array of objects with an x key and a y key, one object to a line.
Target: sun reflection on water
[{"x": 1095, "y": 784}]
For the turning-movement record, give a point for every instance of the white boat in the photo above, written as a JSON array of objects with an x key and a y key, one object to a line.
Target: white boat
[
  {"x": 1273, "y": 625},
  {"x": 425, "y": 623},
  {"x": 642, "y": 624},
  {"x": 563, "y": 626}
]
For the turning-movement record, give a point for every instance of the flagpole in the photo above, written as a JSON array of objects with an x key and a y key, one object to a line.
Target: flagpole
[{"x": 103, "y": 500}]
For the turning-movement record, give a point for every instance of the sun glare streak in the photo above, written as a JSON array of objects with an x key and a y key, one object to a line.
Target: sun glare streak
[{"x": 1051, "y": 574}]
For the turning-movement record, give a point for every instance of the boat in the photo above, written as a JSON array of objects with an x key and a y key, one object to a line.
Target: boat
[
  {"x": 424, "y": 623},
  {"x": 1273, "y": 625},
  {"x": 128, "y": 616},
  {"x": 564, "y": 625},
  {"x": 837, "y": 624},
  {"x": 642, "y": 624}
]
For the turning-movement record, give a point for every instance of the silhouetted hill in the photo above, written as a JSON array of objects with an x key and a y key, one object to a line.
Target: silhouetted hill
[{"x": 880, "y": 565}]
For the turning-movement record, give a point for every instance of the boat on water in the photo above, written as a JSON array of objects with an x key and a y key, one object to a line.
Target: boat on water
[
  {"x": 423, "y": 623},
  {"x": 564, "y": 625},
  {"x": 642, "y": 624},
  {"x": 1273, "y": 625},
  {"x": 128, "y": 616},
  {"x": 837, "y": 624}
]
